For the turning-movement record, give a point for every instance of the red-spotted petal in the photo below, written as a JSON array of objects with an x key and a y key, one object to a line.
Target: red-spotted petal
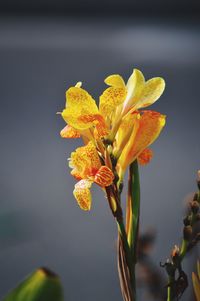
[
  {"x": 82, "y": 194},
  {"x": 104, "y": 176},
  {"x": 69, "y": 132}
]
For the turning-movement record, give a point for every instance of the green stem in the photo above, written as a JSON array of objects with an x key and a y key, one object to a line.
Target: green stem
[
  {"x": 134, "y": 199},
  {"x": 169, "y": 290},
  {"x": 183, "y": 251},
  {"x": 132, "y": 215}
]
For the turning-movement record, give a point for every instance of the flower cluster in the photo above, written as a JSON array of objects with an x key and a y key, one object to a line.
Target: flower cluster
[{"x": 114, "y": 134}]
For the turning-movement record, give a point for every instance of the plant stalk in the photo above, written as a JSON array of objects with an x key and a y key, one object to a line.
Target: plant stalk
[{"x": 133, "y": 215}]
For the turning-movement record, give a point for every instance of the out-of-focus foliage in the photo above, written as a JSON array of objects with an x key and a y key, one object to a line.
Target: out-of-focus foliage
[
  {"x": 42, "y": 285},
  {"x": 196, "y": 282}
]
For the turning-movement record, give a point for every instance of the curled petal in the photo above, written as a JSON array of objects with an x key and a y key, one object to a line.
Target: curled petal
[
  {"x": 145, "y": 156},
  {"x": 69, "y": 132},
  {"x": 115, "y": 80},
  {"x": 151, "y": 92},
  {"x": 112, "y": 96},
  {"x": 141, "y": 94},
  {"x": 134, "y": 86},
  {"x": 82, "y": 194},
  {"x": 104, "y": 176},
  {"x": 146, "y": 129}
]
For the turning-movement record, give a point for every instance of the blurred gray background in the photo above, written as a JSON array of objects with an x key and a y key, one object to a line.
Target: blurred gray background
[{"x": 47, "y": 46}]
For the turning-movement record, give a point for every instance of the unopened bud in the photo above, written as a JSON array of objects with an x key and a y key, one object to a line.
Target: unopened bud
[
  {"x": 198, "y": 217},
  {"x": 195, "y": 207},
  {"x": 198, "y": 237},
  {"x": 175, "y": 254},
  {"x": 195, "y": 197},
  {"x": 198, "y": 179},
  {"x": 187, "y": 221},
  {"x": 187, "y": 233}
]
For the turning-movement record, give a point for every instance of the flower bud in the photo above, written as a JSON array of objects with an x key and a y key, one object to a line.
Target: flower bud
[
  {"x": 175, "y": 254},
  {"x": 195, "y": 207},
  {"x": 198, "y": 237},
  {"x": 198, "y": 179},
  {"x": 187, "y": 221},
  {"x": 187, "y": 233},
  {"x": 198, "y": 217},
  {"x": 195, "y": 198}
]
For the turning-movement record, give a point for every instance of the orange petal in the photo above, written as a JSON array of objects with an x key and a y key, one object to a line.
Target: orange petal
[
  {"x": 146, "y": 130},
  {"x": 82, "y": 194},
  {"x": 112, "y": 96},
  {"x": 85, "y": 161},
  {"x": 97, "y": 120},
  {"x": 104, "y": 177},
  {"x": 69, "y": 132},
  {"x": 145, "y": 156}
]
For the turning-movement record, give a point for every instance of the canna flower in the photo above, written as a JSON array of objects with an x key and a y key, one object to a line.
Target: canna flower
[
  {"x": 87, "y": 168},
  {"x": 116, "y": 131}
]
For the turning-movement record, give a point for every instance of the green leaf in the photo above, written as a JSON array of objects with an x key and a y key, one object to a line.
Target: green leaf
[{"x": 42, "y": 285}]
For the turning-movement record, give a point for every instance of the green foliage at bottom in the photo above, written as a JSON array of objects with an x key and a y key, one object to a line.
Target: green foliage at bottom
[{"x": 42, "y": 285}]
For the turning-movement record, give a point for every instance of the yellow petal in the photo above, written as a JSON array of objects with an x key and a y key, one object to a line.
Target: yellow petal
[
  {"x": 151, "y": 92},
  {"x": 76, "y": 96},
  {"x": 85, "y": 161},
  {"x": 112, "y": 96},
  {"x": 69, "y": 132},
  {"x": 124, "y": 133},
  {"x": 82, "y": 194},
  {"x": 79, "y": 103},
  {"x": 145, "y": 156},
  {"x": 79, "y": 84},
  {"x": 115, "y": 80},
  {"x": 134, "y": 87},
  {"x": 104, "y": 176},
  {"x": 146, "y": 129}
]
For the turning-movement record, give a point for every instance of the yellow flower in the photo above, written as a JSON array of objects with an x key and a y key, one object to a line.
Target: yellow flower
[
  {"x": 115, "y": 134},
  {"x": 87, "y": 168}
]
